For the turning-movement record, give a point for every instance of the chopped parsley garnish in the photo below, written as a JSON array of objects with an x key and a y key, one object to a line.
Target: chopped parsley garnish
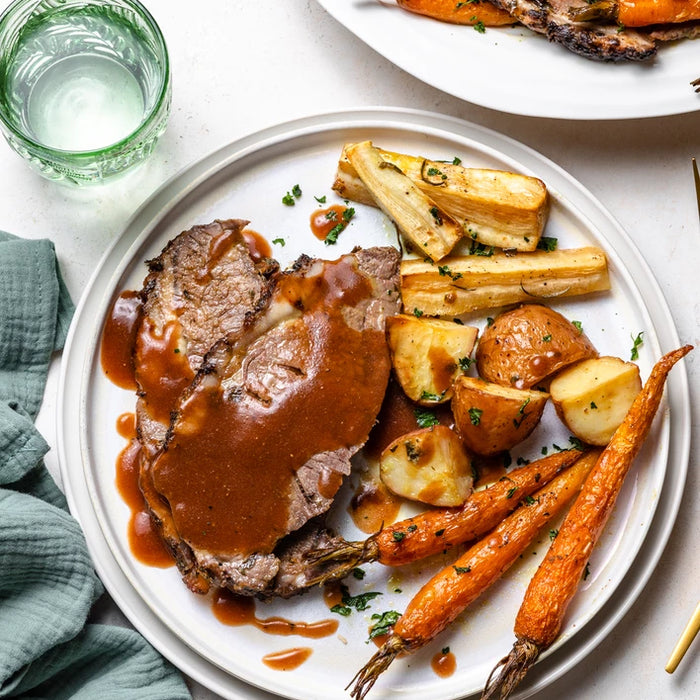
[
  {"x": 462, "y": 569},
  {"x": 636, "y": 343},
  {"x": 321, "y": 199},
  {"x": 547, "y": 243},
  {"x": 417, "y": 313},
  {"x": 332, "y": 235},
  {"x": 511, "y": 492},
  {"x": 465, "y": 363},
  {"x": 278, "y": 241},
  {"x": 475, "y": 415},
  {"x": 357, "y": 602},
  {"x": 429, "y": 396},
  {"x": 479, "y": 26},
  {"x": 384, "y": 622},
  {"x": 290, "y": 197},
  {"x": 398, "y": 535},
  {"x": 553, "y": 534},
  {"x": 578, "y": 325},
  {"x": 358, "y": 573},
  {"x": 424, "y": 418}
]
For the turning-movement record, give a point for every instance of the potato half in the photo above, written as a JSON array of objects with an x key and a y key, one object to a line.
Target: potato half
[
  {"x": 426, "y": 354},
  {"x": 593, "y": 396},
  {"x": 491, "y": 418},
  {"x": 428, "y": 465},
  {"x": 524, "y": 346}
]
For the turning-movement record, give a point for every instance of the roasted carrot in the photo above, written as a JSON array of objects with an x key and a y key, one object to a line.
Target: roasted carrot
[
  {"x": 555, "y": 582},
  {"x": 640, "y": 13},
  {"x": 451, "y": 590},
  {"x": 454, "y": 12},
  {"x": 440, "y": 529}
]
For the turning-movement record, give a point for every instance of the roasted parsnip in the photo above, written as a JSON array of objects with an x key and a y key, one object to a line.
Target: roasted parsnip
[
  {"x": 494, "y": 207},
  {"x": 429, "y": 227},
  {"x": 460, "y": 284}
]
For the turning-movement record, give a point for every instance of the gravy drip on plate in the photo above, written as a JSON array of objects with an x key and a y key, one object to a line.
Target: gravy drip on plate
[
  {"x": 236, "y": 610},
  {"x": 118, "y": 338},
  {"x": 145, "y": 542}
]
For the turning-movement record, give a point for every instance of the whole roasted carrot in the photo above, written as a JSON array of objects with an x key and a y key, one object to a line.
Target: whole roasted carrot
[
  {"x": 554, "y": 584},
  {"x": 440, "y": 529},
  {"x": 640, "y": 13},
  {"x": 455, "y": 12},
  {"x": 451, "y": 590}
]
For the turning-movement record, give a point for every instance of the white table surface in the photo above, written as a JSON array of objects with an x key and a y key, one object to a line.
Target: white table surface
[{"x": 241, "y": 66}]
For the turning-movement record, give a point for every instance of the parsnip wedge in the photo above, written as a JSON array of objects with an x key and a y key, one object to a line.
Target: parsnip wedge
[
  {"x": 495, "y": 207},
  {"x": 419, "y": 218},
  {"x": 461, "y": 284},
  {"x": 592, "y": 397},
  {"x": 428, "y": 465},
  {"x": 426, "y": 354}
]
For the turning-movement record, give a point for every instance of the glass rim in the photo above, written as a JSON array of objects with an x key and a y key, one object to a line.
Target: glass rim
[{"x": 122, "y": 144}]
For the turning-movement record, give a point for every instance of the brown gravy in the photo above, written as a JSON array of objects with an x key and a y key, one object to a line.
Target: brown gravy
[
  {"x": 144, "y": 540},
  {"x": 444, "y": 663},
  {"x": 118, "y": 338},
  {"x": 236, "y": 610},
  {"x": 287, "y": 660},
  {"x": 222, "y": 499},
  {"x": 323, "y": 221}
]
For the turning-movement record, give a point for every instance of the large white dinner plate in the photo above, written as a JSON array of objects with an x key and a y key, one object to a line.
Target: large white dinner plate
[
  {"x": 247, "y": 179},
  {"x": 517, "y": 71}
]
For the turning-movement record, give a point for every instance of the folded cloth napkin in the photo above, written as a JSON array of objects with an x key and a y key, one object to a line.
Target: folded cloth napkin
[{"x": 47, "y": 582}]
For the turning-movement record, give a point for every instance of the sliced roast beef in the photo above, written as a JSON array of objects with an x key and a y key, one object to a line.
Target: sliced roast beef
[
  {"x": 260, "y": 441},
  {"x": 201, "y": 287},
  {"x": 604, "y": 42}
]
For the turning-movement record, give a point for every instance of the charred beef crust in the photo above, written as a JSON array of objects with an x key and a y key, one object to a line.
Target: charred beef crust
[{"x": 588, "y": 39}]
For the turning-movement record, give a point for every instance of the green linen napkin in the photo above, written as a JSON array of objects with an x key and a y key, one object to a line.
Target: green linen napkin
[{"x": 47, "y": 582}]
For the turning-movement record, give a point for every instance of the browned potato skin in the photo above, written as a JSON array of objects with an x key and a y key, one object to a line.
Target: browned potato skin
[
  {"x": 507, "y": 416},
  {"x": 528, "y": 344}
]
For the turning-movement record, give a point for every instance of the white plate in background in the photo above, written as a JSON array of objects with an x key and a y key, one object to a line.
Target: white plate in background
[{"x": 514, "y": 70}]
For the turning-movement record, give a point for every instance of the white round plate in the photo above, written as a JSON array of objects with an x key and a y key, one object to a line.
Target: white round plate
[
  {"x": 247, "y": 179},
  {"x": 517, "y": 71}
]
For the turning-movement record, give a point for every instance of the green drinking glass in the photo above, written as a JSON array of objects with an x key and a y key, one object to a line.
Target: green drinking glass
[{"x": 85, "y": 86}]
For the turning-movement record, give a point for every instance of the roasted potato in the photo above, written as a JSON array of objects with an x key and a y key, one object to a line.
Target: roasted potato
[
  {"x": 528, "y": 344},
  {"x": 593, "y": 396},
  {"x": 426, "y": 354},
  {"x": 491, "y": 418},
  {"x": 464, "y": 283},
  {"x": 429, "y": 465}
]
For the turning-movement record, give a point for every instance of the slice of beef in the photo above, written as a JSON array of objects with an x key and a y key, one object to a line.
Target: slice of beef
[
  {"x": 262, "y": 439},
  {"x": 200, "y": 288},
  {"x": 603, "y": 42}
]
